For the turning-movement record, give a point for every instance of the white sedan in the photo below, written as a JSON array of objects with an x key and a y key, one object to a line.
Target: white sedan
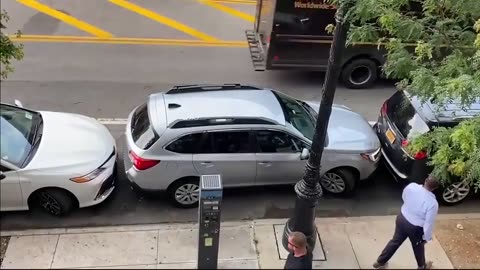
[{"x": 58, "y": 161}]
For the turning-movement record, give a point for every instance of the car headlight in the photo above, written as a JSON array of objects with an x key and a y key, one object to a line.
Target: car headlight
[
  {"x": 373, "y": 156},
  {"x": 88, "y": 177}
]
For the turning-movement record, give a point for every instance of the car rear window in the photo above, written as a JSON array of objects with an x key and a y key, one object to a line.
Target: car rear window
[
  {"x": 404, "y": 116},
  {"x": 143, "y": 133}
]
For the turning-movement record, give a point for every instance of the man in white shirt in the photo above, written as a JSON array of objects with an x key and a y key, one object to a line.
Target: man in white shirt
[{"x": 415, "y": 222}]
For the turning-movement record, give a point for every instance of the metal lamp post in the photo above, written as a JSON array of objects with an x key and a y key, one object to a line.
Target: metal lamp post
[{"x": 308, "y": 189}]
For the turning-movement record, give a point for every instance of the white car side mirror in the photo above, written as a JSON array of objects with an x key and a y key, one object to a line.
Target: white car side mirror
[
  {"x": 18, "y": 103},
  {"x": 305, "y": 154},
  {"x": 2, "y": 176}
]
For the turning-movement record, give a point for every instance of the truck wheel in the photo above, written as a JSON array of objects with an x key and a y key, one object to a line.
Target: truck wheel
[{"x": 359, "y": 73}]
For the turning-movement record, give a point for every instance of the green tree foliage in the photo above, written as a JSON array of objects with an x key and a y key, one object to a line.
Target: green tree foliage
[
  {"x": 8, "y": 50},
  {"x": 433, "y": 49}
]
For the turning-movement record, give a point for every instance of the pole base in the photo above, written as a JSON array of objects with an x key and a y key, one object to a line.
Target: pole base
[{"x": 311, "y": 237}]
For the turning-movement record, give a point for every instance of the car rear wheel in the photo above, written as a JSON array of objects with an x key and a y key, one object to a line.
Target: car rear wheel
[
  {"x": 339, "y": 181},
  {"x": 185, "y": 193},
  {"x": 454, "y": 193},
  {"x": 56, "y": 202},
  {"x": 359, "y": 73}
]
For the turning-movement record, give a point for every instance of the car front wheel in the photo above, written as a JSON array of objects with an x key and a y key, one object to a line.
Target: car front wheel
[
  {"x": 339, "y": 181},
  {"x": 454, "y": 193},
  {"x": 56, "y": 202}
]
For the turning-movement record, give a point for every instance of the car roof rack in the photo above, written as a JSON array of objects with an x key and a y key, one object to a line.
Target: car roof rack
[
  {"x": 194, "y": 88},
  {"x": 218, "y": 121}
]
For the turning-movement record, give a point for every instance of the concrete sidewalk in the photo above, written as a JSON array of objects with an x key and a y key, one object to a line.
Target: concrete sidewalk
[{"x": 352, "y": 243}]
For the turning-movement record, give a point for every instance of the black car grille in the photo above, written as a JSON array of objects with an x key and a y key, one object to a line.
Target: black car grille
[{"x": 110, "y": 182}]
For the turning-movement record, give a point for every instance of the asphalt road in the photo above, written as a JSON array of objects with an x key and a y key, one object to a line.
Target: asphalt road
[{"x": 112, "y": 55}]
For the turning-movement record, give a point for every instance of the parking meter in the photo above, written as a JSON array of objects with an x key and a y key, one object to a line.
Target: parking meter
[{"x": 211, "y": 192}]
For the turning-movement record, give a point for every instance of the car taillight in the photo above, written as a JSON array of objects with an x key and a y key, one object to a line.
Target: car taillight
[
  {"x": 383, "y": 110},
  {"x": 141, "y": 163},
  {"x": 420, "y": 155}
]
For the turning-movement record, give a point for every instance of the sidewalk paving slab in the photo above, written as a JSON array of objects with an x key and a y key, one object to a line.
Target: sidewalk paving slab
[
  {"x": 136, "y": 266},
  {"x": 39, "y": 249},
  {"x": 181, "y": 246},
  {"x": 348, "y": 243},
  {"x": 106, "y": 249},
  {"x": 376, "y": 234},
  {"x": 222, "y": 264},
  {"x": 338, "y": 249}
]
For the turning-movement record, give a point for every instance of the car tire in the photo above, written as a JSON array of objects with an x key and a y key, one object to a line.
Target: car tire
[
  {"x": 188, "y": 188},
  {"x": 459, "y": 190},
  {"x": 341, "y": 182},
  {"x": 56, "y": 202},
  {"x": 359, "y": 73}
]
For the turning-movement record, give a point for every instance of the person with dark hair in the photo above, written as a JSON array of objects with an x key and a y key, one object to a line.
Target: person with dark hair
[
  {"x": 299, "y": 257},
  {"x": 415, "y": 222}
]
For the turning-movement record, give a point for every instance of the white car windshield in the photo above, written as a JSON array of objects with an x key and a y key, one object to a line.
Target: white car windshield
[
  {"x": 18, "y": 134},
  {"x": 299, "y": 114}
]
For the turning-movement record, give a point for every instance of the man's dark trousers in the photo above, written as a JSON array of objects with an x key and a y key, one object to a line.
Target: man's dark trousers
[{"x": 404, "y": 230}]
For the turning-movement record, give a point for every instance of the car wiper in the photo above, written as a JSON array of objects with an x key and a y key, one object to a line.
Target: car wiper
[{"x": 36, "y": 138}]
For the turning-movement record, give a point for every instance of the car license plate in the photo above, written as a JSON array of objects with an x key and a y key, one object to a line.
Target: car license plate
[{"x": 390, "y": 136}]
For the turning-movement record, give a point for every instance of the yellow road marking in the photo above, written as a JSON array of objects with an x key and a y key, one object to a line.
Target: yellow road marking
[
  {"x": 128, "y": 41},
  {"x": 246, "y": 2},
  {"x": 228, "y": 10},
  {"x": 163, "y": 20},
  {"x": 65, "y": 18}
]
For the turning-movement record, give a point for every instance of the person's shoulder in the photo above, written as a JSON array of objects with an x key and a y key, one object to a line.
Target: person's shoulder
[{"x": 411, "y": 186}]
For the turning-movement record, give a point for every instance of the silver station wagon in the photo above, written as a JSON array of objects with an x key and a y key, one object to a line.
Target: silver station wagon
[{"x": 250, "y": 136}]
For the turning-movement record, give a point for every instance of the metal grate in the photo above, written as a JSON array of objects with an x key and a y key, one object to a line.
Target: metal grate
[{"x": 211, "y": 182}]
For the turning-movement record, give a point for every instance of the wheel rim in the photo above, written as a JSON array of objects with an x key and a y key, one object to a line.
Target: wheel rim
[
  {"x": 360, "y": 75},
  {"x": 187, "y": 194},
  {"x": 333, "y": 183},
  {"x": 50, "y": 204},
  {"x": 456, "y": 192}
]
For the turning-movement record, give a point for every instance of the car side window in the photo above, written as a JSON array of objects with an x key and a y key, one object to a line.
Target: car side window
[
  {"x": 277, "y": 142},
  {"x": 186, "y": 144},
  {"x": 227, "y": 142}
]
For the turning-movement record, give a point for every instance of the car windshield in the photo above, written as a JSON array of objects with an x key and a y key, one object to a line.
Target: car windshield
[
  {"x": 19, "y": 134},
  {"x": 299, "y": 114}
]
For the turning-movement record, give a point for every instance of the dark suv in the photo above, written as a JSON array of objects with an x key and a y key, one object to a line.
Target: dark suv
[{"x": 404, "y": 116}]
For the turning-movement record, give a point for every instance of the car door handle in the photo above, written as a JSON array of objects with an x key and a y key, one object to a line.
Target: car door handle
[
  {"x": 207, "y": 164},
  {"x": 264, "y": 163}
]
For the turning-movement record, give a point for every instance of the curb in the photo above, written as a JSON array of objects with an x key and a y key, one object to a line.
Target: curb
[{"x": 191, "y": 226}]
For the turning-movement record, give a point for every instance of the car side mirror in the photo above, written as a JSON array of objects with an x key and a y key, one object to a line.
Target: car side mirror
[
  {"x": 2, "y": 176},
  {"x": 18, "y": 103},
  {"x": 305, "y": 154}
]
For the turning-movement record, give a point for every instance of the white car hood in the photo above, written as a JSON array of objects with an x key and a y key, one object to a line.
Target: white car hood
[
  {"x": 348, "y": 130},
  {"x": 72, "y": 143}
]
